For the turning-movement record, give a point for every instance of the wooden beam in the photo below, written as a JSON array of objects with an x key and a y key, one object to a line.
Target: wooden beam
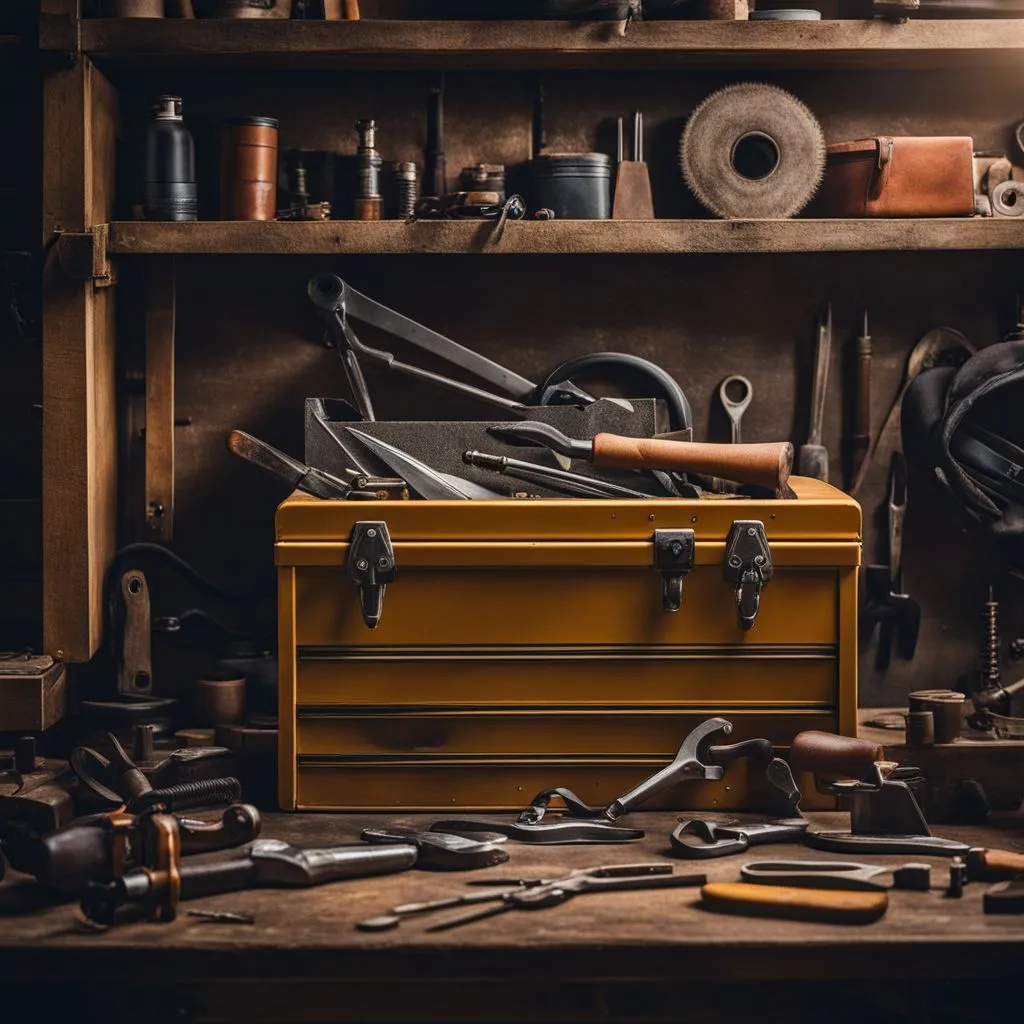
[
  {"x": 160, "y": 288},
  {"x": 545, "y": 44},
  {"x": 79, "y": 409},
  {"x": 566, "y": 237}
]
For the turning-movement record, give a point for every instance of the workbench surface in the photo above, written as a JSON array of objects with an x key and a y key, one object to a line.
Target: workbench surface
[{"x": 307, "y": 937}]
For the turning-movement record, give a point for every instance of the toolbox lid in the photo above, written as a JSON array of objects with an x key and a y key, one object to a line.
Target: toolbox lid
[{"x": 820, "y": 512}]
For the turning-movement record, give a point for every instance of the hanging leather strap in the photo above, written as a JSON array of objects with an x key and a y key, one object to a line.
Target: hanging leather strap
[{"x": 885, "y": 146}]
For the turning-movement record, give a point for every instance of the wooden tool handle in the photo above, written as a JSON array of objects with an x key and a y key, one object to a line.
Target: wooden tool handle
[
  {"x": 825, "y": 753},
  {"x": 352, "y": 10},
  {"x": 832, "y": 905},
  {"x": 994, "y": 865},
  {"x": 767, "y": 465}
]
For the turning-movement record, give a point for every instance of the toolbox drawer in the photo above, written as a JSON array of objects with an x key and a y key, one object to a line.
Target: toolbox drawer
[
  {"x": 541, "y": 732},
  {"x": 600, "y": 675},
  {"x": 563, "y": 605},
  {"x": 507, "y": 784}
]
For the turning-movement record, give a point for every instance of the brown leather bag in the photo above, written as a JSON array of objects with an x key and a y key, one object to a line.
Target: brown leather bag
[{"x": 899, "y": 177}]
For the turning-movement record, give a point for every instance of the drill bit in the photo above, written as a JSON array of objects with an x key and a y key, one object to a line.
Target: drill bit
[{"x": 990, "y": 671}]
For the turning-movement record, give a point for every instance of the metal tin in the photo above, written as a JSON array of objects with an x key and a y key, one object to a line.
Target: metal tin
[
  {"x": 273, "y": 9},
  {"x": 169, "y": 186},
  {"x": 577, "y": 186},
  {"x": 249, "y": 169},
  {"x": 484, "y": 178}
]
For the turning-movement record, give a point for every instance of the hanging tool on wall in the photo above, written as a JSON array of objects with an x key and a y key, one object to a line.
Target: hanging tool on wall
[
  {"x": 941, "y": 346},
  {"x": 633, "y": 199},
  {"x": 897, "y": 614},
  {"x": 859, "y": 440},
  {"x": 762, "y": 465},
  {"x": 813, "y": 459}
]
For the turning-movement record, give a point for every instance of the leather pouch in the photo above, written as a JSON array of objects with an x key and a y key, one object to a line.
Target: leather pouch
[{"x": 910, "y": 176}]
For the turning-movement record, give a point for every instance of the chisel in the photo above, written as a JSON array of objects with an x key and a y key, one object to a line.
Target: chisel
[
  {"x": 764, "y": 465},
  {"x": 813, "y": 459},
  {"x": 860, "y": 435}
]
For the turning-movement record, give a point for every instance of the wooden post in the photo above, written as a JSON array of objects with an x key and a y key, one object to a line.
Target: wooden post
[
  {"x": 79, "y": 406},
  {"x": 160, "y": 287}
]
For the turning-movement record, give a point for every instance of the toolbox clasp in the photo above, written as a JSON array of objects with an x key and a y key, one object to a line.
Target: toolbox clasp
[
  {"x": 747, "y": 567},
  {"x": 371, "y": 566},
  {"x": 673, "y": 558}
]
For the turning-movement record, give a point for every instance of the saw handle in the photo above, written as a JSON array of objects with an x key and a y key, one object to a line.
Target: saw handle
[
  {"x": 765, "y": 465},
  {"x": 825, "y": 753}
]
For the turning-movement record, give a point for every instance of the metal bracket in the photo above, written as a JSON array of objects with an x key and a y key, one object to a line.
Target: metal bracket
[
  {"x": 673, "y": 558},
  {"x": 371, "y": 566},
  {"x": 135, "y": 673},
  {"x": 747, "y": 567},
  {"x": 83, "y": 256}
]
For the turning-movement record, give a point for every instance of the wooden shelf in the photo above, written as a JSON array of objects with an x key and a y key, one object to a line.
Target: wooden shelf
[
  {"x": 142, "y": 42},
  {"x": 144, "y": 238}
]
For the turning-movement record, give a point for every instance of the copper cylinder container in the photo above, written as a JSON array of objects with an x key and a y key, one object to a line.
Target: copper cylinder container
[{"x": 249, "y": 169}]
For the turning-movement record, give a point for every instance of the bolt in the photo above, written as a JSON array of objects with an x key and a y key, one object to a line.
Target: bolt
[
  {"x": 675, "y": 548},
  {"x": 751, "y": 531},
  {"x": 735, "y": 561},
  {"x": 651, "y": 517},
  {"x": 383, "y": 563},
  {"x": 362, "y": 565},
  {"x": 693, "y": 519},
  {"x": 759, "y": 560},
  {"x": 371, "y": 532}
]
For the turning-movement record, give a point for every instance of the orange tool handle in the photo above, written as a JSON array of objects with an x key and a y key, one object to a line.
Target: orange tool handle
[
  {"x": 766, "y": 465},
  {"x": 832, "y": 905},
  {"x": 352, "y": 10},
  {"x": 824, "y": 753},
  {"x": 994, "y": 865}
]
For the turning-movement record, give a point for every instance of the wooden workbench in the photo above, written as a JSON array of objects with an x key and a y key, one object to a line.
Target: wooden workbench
[{"x": 651, "y": 955}]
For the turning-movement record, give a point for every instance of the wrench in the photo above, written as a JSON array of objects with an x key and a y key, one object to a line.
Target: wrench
[{"x": 735, "y": 407}]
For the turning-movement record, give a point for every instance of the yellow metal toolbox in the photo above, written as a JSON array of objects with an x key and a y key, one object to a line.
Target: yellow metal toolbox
[{"x": 524, "y": 644}]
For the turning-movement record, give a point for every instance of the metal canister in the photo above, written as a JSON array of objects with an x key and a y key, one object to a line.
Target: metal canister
[
  {"x": 249, "y": 169},
  {"x": 576, "y": 186},
  {"x": 169, "y": 186}
]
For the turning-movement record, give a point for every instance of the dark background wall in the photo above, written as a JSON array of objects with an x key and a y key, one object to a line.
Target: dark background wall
[{"x": 250, "y": 347}]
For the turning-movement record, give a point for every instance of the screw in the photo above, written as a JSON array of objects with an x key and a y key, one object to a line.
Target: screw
[
  {"x": 675, "y": 548},
  {"x": 735, "y": 561},
  {"x": 362, "y": 565},
  {"x": 651, "y": 517},
  {"x": 383, "y": 563},
  {"x": 371, "y": 532},
  {"x": 759, "y": 560},
  {"x": 751, "y": 531}
]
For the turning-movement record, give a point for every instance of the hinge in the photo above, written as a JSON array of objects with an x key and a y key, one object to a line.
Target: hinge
[
  {"x": 371, "y": 566},
  {"x": 83, "y": 256},
  {"x": 673, "y": 558},
  {"x": 747, "y": 567}
]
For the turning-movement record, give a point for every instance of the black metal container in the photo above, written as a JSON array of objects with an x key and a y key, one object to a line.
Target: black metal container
[
  {"x": 169, "y": 178},
  {"x": 576, "y": 186}
]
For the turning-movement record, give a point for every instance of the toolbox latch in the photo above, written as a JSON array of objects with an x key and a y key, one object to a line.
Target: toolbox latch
[
  {"x": 673, "y": 558},
  {"x": 371, "y": 566},
  {"x": 748, "y": 567}
]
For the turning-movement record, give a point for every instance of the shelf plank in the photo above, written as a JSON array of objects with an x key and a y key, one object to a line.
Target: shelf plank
[
  {"x": 498, "y": 45},
  {"x": 146, "y": 238}
]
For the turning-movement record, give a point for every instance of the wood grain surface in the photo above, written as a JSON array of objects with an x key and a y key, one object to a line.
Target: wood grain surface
[{"x": 525, "y": 44}]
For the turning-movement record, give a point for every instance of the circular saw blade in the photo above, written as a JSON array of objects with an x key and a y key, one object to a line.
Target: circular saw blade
[{"x": 752, "y": 151}]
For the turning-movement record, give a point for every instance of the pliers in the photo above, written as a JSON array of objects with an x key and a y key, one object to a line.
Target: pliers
[{"x": 536, "y": 893}]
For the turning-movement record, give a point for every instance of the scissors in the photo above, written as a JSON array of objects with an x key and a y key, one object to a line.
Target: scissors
[{"x": 836, "y": 874}]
